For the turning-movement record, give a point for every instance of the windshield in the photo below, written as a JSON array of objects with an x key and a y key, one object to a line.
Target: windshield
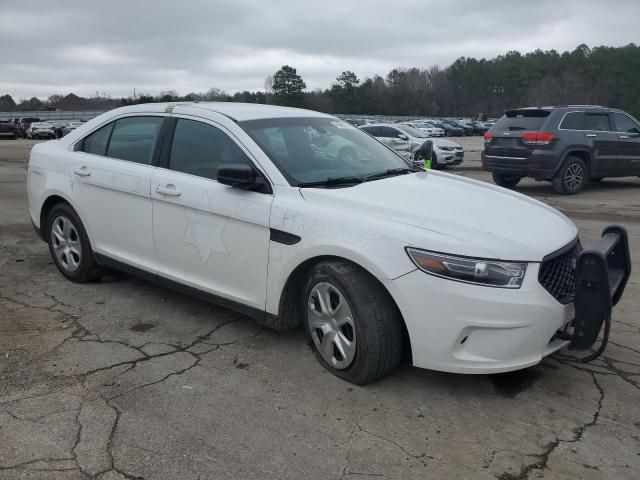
[
  {"x": 412, "y": 131},
  {"x": 316, "y": 149}
]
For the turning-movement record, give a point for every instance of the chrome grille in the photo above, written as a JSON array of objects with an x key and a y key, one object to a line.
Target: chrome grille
[{"x": 558, "y": 274}]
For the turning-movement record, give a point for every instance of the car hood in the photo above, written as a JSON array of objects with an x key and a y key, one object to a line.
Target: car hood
[
  {"x": 439, "y": 142},
  {"x": 480, "y": 219}
]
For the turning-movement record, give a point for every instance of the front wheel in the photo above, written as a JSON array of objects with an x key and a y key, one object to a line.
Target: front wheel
[
  {"x": 571, "y": 178},
  {"x": 506, "y": 181},
  {"x": 355, "y": 326}
]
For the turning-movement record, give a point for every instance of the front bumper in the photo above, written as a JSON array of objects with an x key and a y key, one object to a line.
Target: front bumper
[
  {"x": 449, "y": 157},
  {"x": 463, "y": 328}
]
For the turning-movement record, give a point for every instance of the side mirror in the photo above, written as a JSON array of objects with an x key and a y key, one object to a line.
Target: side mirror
[
  {"x": 402, "y": 136},
  {"x": 240, "y": 175},
  {"x": 634, "y": 132}
]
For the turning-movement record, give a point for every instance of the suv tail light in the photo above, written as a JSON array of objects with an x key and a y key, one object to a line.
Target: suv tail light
[
  {"x": 537, "y": 138},
  {"x": 488, "y": 136}
]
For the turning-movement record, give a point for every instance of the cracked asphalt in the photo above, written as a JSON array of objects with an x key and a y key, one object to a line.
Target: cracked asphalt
[{"x": 122, "y": 379}]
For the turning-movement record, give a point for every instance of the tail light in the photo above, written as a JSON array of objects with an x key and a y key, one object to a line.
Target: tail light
[
  {"x": 488, "y": 136},
  {"x": 537, "y": 138}
]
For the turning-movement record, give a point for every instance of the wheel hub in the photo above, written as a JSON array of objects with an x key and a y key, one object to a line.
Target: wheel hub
[
  {"x": 574, "y": 176},
  {"x": 66, "y": 243},
  {"x": 331, "y": 325}
]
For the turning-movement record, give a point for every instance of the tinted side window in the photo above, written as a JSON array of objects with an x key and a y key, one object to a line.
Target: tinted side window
[
  {"x": 597, "y": 121},
  {"x": 625, "y": 124},
  {"x": 390, "y": 132},
  {"x": 375, "y": 131},
  {"x": 96, "y": 143},
  {"x": 573, "y": 121},
  {"x": 134, "y": 139},
  {"x": 199, "y": 149}
]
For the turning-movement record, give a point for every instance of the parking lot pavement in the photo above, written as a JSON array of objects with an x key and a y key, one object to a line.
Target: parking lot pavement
[{"x": 123, "y": 379}]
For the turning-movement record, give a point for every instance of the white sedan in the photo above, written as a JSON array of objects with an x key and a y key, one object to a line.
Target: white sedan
[{"x": 239, "y": 204}]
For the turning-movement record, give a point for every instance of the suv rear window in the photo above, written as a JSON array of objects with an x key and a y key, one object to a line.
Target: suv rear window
[{"x": 523, "y": 119}]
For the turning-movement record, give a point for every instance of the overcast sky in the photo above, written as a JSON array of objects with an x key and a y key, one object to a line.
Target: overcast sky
[{"x": 56, "y": 47}]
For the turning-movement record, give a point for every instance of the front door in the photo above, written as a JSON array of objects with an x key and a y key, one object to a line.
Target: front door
[
  {"x": 628, "y": 132},
  {"x": 208, "y": 235},
  {"x": 603, "y": 141}
]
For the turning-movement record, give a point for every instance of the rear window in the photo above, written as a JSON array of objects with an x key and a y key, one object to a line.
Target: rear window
[{"x": 515, "y": 120}]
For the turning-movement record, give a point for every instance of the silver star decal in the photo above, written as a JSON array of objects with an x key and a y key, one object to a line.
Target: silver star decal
[{"x": 204, "y": 230}]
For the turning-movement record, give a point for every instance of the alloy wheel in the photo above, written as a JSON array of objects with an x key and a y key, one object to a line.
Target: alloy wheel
[
  {"x": 66, "y": 243},
  {"x": 331, "y": 325},
  {"x": 574, "y": 176}
]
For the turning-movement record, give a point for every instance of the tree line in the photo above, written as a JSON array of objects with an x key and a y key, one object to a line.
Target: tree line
[{"x": 601, "y": 75}]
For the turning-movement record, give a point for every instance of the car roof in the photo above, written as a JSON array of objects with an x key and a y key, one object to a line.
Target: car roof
[
  {"x": 236, "y": 111},
  {"x": 381, "y": 125}
]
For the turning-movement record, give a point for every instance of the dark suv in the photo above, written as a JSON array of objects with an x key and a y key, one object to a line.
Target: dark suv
[{"x": 567, "y": 145}]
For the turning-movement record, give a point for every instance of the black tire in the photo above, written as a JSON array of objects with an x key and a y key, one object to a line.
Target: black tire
[
  {"x": 571, "y": 178},
  {"x": 86, "y": 269},
  {"x": 376, "y": 320},
  {"x": 506, "y": 181},
  {"x": 434, "y": 161}
]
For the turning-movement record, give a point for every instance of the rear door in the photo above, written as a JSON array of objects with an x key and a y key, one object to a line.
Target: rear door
[
  {"x": 111, "y": 176},
  {"x": 603, "y": 140},
  {"x": 628, "y": 132}
]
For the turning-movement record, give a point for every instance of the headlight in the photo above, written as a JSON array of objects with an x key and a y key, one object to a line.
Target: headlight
[
  {"x": 446, "y": 149},
  {"x": 492, "y": 273}
]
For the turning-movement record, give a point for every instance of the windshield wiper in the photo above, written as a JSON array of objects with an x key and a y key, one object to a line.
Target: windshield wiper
[
  {"x": 391, "y": 172},
  {"x": 332, "y": 181}
]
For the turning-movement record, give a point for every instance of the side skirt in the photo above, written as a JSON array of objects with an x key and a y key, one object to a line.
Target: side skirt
[{"x": 262, "y": 317}]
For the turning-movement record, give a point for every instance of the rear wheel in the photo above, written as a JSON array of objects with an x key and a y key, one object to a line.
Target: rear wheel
[
  {"x": 506, "y": 181},
  {"x": 355, "y": 327},
  {"x": 571, "y": 178},
  {"x": 69, "y": 245}
]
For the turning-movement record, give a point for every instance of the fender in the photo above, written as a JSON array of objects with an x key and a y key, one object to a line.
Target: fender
[
  {"x": 576, "y": 148},
  {"x": 54, "y": 192}
]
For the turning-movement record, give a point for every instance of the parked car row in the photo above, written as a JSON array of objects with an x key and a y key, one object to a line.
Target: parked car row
[
  {"x": 33, "y": 127},
  {"x": 435, "y": 127}
]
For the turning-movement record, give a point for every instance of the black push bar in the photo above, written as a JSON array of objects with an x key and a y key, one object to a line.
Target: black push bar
[{"x": 601, "y": 276}]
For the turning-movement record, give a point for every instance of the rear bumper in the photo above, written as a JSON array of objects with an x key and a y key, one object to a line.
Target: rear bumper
[{"x": 541, "y": 165}]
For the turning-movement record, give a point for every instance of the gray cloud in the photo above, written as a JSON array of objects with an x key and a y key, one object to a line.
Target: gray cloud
[{"x": 49, "y": 47}]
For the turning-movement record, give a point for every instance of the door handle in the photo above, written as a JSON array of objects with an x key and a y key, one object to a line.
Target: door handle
[
  {"x": 168, "y": 189},
  {"x": 623, "y": 136},
  {"x": 591, "y": 135},
  {"x": 82, "y": 171}
]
